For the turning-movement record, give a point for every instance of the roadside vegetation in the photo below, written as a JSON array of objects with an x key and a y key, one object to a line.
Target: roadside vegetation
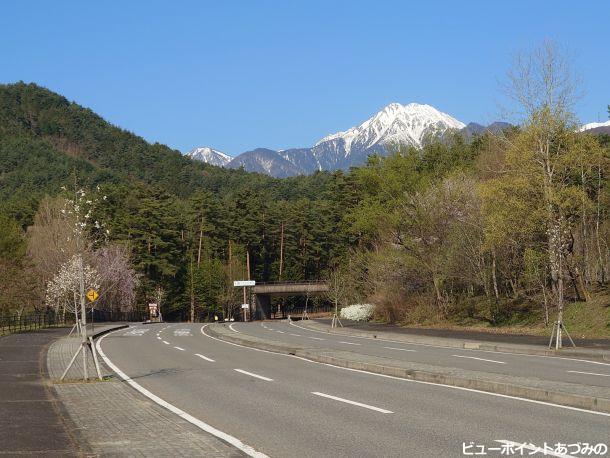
[{"x": 495, "y": 232}]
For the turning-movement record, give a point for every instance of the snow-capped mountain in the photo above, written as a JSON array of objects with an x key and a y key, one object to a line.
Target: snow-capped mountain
[
  {"x": 395, "y": 125},
  {"x": 209, "y": 156},
  {"x": 594, "y": 125}
]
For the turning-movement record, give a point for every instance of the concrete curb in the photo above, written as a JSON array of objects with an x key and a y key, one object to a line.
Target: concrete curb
[
  {"x": 466, "y": 345},
  {"x": 106, "y": 331},
  {"x": 554, "y": 397}
]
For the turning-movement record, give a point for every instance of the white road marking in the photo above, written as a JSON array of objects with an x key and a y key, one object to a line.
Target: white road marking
[
  {"x": 205, "y": 357},
  {"x": 267, "y": 379},
  {"x": 296, "y": 335},
  {"x": 533, "y": 448},
  {"x": 136, "y": 332},
  {"x": 166, "y": 342},
  {"x": 158, "y": 337},
  {"x": 400, "y": 349},
  {"x": 235, "y": 442},
  {"x": 456, "y": 348},
  {"x": 349, "y": 343},
  {"x": 315, "y": 338},
  {"x": 281, "y": 332},
  {"x": 347, "y": 401},
  {"x": 479, "y": 359},
  {"x": 471, "y": 390},
  {"x": 184, "y": 332},
  {"x": 589, "y": 373},
  {"x": 179, "y": 348},
  {"x": 233, "y": 329}
]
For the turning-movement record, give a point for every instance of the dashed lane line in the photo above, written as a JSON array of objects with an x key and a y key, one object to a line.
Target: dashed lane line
[
  {"x": 241, "y": 371},
  {"x": 399, "y": 349},
  {"x": 479, "y": 359},
  {"x": 166, "y": 342},
  {"x": 347, "y": 401},
  {"x": 179, "y": 348},
  {"x": 204, "y": 357},
  {"x": 589, "y": 373},
  {"x": 349, "y": 343}
]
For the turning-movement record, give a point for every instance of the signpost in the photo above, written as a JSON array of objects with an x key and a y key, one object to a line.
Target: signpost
[
  {"x": 245, "y": 307},
  {"x": 92, "y": 295},
  {"x": 153, "y": 310}
]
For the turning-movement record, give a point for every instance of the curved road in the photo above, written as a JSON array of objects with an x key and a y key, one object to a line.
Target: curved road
[{"x": 286, "y": 406}]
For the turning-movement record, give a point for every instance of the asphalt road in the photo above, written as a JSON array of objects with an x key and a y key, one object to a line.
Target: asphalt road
[
  {"x": 286, "y": 406},
  {"x": 584, "y": 372}
]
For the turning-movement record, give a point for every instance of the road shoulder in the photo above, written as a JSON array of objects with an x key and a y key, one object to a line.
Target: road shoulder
[{"x": 111, "y": 418}]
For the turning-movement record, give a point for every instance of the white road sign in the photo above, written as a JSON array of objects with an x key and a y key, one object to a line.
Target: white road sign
[
  {"x": 244, "y": 283},
  {"x": 245, "y": 306}
]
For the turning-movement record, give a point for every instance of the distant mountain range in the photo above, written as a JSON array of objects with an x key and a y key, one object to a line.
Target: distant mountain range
[{"x": 394, "y": 126}]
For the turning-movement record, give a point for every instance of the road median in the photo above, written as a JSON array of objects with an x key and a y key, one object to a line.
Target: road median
[
  {"x": 562, "y": 393},
  {"x": 599, "y": 355}
]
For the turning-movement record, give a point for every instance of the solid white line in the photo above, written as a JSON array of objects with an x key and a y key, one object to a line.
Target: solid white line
[
  {"x": 349, "y": 343},
  {"x": 179, "y": 348},
  {"x": 235, "y": 442},
  {"x": 401, "y": 349},
  {"x": 315, "y": 338},
  {"x": 205, "y": 357},
  {"x": 479, "y": 359},
  {"x": 166, "y": 342},
  {"x": 589, "y": 373},
  {"x": 471, "y": 390},
  {"x": 533, "y": 448},
  {"x": 267, "y": 379},
  {"x": 233, "y": 329},
  {"x": 347, "y": 401}
]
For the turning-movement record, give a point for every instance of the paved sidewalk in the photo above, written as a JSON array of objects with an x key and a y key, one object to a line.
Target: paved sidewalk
[
  {"x": 397, "y": 334},
  {"x": 113, "y": 419},
  {"x": 31, "y": 422}
]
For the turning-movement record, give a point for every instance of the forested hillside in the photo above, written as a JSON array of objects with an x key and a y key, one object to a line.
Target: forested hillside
[{"x": 462, "y": 231}]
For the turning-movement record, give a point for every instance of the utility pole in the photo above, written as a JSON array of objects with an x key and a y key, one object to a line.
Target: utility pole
[{"x": 281, "y": 250}]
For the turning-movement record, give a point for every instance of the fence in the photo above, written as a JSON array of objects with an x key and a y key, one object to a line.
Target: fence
[
  {"x": 48, "y": 319},
  {"x": 30, "y": 322}
]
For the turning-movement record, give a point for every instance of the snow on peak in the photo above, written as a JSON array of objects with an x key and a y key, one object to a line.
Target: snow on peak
[
  {"x": 209, "y": 156},
  {"x": 407, "y": 124},
  {"x": 593, "y": 125}
]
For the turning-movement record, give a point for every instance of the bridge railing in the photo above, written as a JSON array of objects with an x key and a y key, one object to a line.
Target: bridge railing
[{"x": 293, "y": 282}]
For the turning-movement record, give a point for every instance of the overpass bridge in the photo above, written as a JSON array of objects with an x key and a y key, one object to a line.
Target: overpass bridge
[{"x": 262, "y": 293}]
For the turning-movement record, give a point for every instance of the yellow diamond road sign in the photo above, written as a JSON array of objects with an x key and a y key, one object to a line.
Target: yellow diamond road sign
[{"x": 92, "y": 295}]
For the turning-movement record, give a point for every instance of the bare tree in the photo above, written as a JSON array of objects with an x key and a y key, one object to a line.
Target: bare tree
[{"x": 545, "y": 89}]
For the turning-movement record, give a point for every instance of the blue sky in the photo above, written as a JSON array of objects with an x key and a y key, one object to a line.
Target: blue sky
[{"x": 237, "y": 75}]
